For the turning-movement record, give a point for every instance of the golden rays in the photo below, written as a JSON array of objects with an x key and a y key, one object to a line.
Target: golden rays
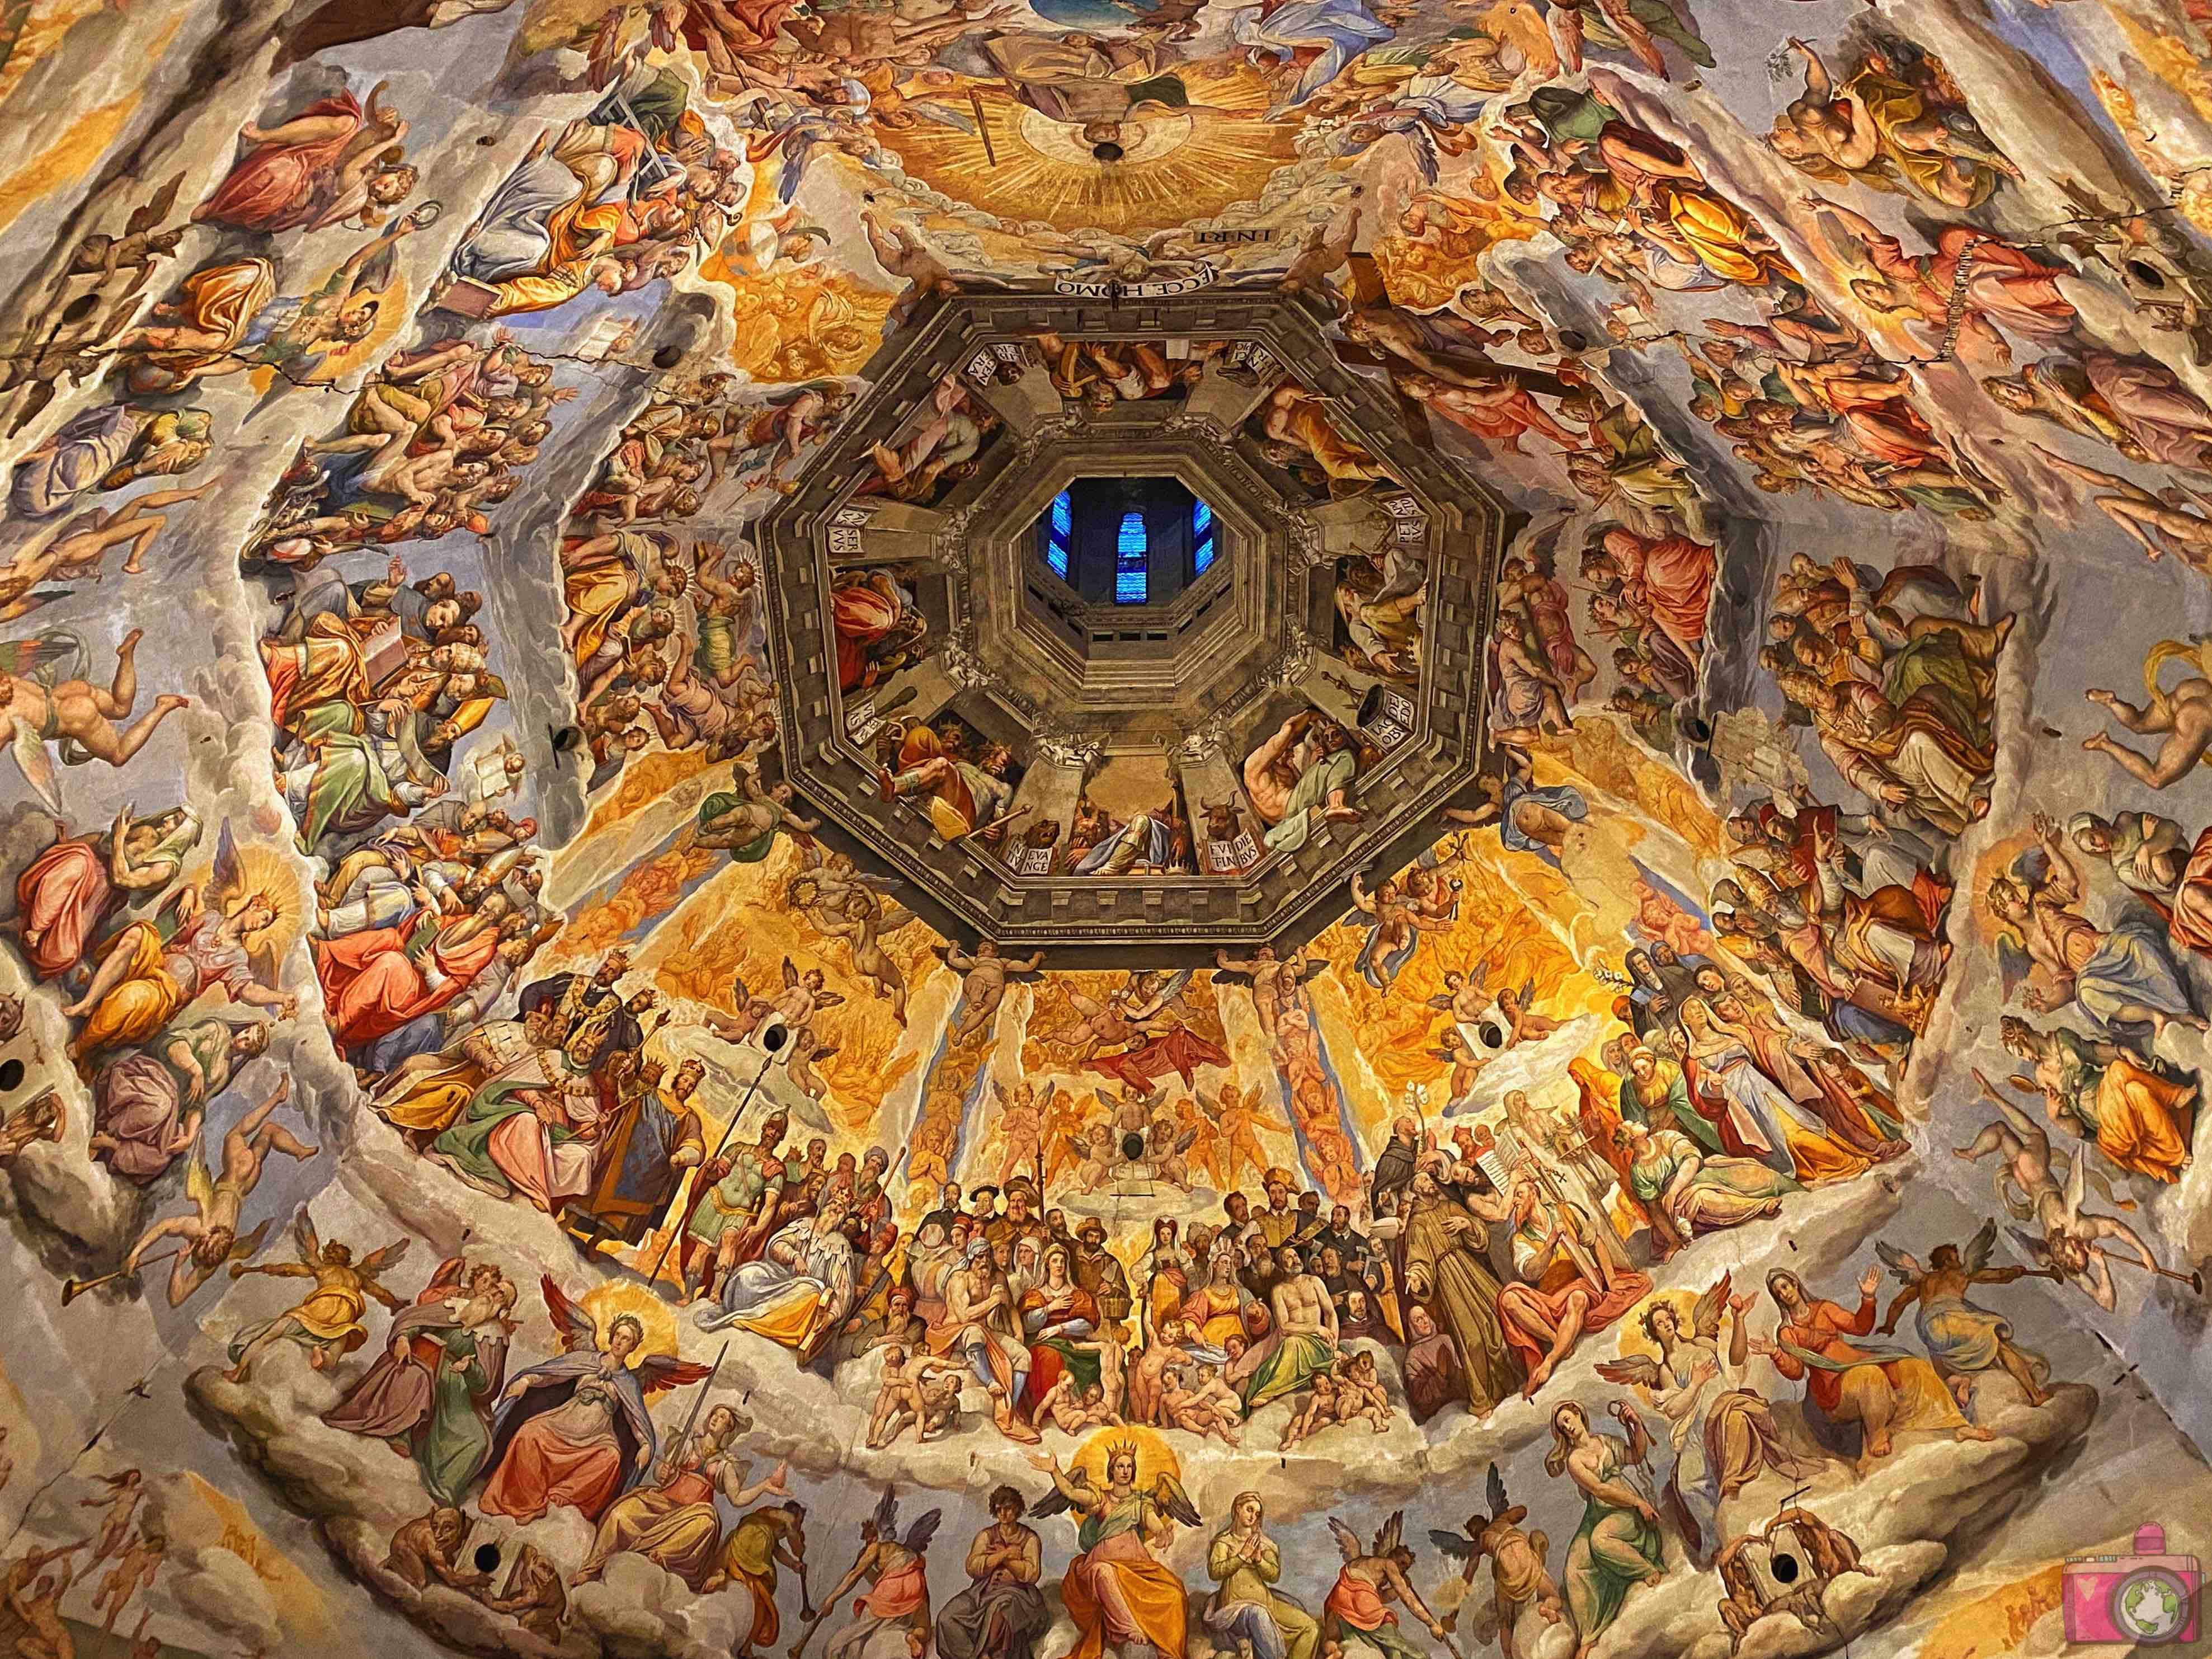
[{"x": 1180, "y": 167}]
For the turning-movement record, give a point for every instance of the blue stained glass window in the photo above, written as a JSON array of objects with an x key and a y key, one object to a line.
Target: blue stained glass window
[
  {"x": 1201, "y": 537},
  {"x": 1131, "y": 578},
  {"x": 1063, "y": 522}
]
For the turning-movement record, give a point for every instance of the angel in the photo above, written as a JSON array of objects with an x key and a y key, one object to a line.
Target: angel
[
  {"x": 1962, "y": 1338},
  {"x": 209, "y": 1236},
  {"x": 574, "y": 1432},
  {"x": 327, "y": 1320},
  {"x": 218, "y": 934},
  {"x": 1117, "y": 1592},
  {"x": 44, "y": 699},
  {"x": 1520, "y": 1575},
  {"x": 1465, "y": 996},
  {"x": 1167, "y": 1149},
  {"x": 1522, "y": 1023},
  {"x": 1397, "y": 923},
  {"x": 1460, "y": 1054},
  {"x": 1094, "y": 1155},
  {"x": 743, "y": 820},
  {"x": 2073, "y": 1241},
  {"x": 844, "y": 901},
  {"x": 1370, "y": 1579},
  {"x": 1723, "y": 1434},
  {"x": 983, "y": 984},
  {"x": 2124, "y": 976},
  {"x": 1276, "y": 984},
  {"x": 896, "y": 1569}
]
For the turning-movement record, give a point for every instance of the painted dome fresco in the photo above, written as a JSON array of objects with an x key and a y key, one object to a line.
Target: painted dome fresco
[{"x": 1105, "y": 828}]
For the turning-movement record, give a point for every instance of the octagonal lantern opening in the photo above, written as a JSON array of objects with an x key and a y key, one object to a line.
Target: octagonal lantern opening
[{"x": 1089, "y": 665}]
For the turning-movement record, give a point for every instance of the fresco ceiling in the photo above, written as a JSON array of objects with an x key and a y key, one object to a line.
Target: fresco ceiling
[{"x": 644, "y": 1010}]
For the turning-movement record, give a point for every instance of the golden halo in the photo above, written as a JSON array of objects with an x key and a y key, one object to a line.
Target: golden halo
[
  {"x": 263, "y": 872},
  {"x": 1154, "y": 1455},
  {"x": 1996, "y": 860},
  {"x": 608, "y": 1302}
]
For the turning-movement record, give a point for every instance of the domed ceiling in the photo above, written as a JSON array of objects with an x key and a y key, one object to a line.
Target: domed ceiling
[{"x": 1009, "y": 829}]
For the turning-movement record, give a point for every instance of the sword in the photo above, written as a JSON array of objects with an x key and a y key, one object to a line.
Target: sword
[{"x": 684, "y": 1439}]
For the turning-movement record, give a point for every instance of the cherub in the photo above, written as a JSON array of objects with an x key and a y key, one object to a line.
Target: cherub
[
  {"x": 844, "y": 903},
  {"x": 1360, "y": 1396},
  {"x": 1315, "y": 1412},
  {"x": 1524, "y": 1023},
  {"x": 1460, "y": 1054},
  {"x": 327, "y": 1323},
  {"x": 1399, "y": 922},
  {"x": 983, "y": 986},
  {"x": 1519, "y": 1573},
  {"x": 941, "y": 1400},
  {"x": 1112, "y": 1381},
  {"x": 209, "y": 1235},
  {"x": 1210, "y": 1407},
  {"x": 1072, "y": 1409},
  {"x": 1095, "y": 1156},
  {"x": 901, "y": 1401}
]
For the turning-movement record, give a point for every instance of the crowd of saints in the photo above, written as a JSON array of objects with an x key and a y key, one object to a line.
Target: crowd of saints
[{"x": 466, "y": 1081}]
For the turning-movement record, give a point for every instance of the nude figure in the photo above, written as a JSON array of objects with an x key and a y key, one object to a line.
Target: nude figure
[
  {"x": 71, "y": 551},
  {"x": 903, "y": 1401},
  {"x": 984, "y": 985},
  {"x": 1323, "y": 252},
  {"x": 209, "y": 1234},
  {"x": 2183, "y": 716},
  {"x": 81, "y": 713},
  {"x": 902, "y": 253},
  {"x": 1316, "y": 1412},
  {"x": 1201, "y": 1411}
]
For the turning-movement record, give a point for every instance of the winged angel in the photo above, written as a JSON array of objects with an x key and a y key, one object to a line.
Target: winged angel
[
  {"x": 1117, "y": 1591},
  {"x": 1371, "y": 1578},
  {"x": 1520, "y": 1574},
  {"x": 327, "y": 1322},
  {"x": 1961, "y": 1337},
  {"x": 573, "y": 1431}
]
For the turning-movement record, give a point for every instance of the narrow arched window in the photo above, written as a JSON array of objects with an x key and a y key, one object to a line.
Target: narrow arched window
[{"x": 1131, "y": 577}]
